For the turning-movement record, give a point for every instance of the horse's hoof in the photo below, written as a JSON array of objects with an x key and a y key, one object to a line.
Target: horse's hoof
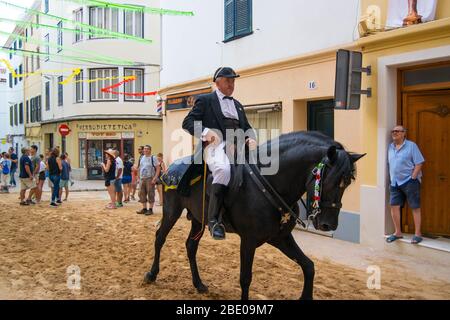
[
  {"x": 306, "y": 298},
  {"x": 149, "y": 277},
  {"x": 202, "y": 288}
]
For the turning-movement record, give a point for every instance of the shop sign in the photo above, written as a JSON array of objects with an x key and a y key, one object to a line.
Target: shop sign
[
  {"x": 82, "y": 135},
  {"x": 106, "y": 127},
  {"x": 128, "y": 135},
  {"x": 103, "y": 135},
  {"x": 184, "y": 100}
]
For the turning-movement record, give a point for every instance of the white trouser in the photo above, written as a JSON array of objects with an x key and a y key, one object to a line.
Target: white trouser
[{"x": 218, "y": 163}]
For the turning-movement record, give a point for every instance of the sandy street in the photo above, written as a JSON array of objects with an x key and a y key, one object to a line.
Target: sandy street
[{"x": 113, "y": 250}]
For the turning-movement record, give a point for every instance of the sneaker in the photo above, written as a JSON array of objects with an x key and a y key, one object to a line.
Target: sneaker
[
  {"x": 149, "y": 212},
  {"x": 59, "y": 202},
  {"x": 142, "y": 211},
  {"x": 54, "y": 205},
  {"x": 119, "y": 204},
  {"x": 111, "y": 206},
  {"x": 24, "y": 203},
  {"x": 31, "y": 202},
  {"x": 133, "y": 198}
]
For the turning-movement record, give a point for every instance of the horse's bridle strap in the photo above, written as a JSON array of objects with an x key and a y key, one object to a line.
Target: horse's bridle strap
[{"x": 270, "y": 193}]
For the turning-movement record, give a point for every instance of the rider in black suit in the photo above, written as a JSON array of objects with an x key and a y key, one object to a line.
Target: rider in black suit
[{"x": 216, "y": 113}]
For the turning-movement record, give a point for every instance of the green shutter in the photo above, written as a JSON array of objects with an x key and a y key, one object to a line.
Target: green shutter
[
  {"x": 243, "y": 17},
  {"x": 229, "y": 19}
]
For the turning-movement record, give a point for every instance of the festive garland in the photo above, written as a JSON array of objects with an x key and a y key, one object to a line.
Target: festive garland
[{"x": 318, "y": 176}]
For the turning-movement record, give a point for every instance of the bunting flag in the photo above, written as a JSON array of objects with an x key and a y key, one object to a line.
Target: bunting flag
[
  {"x": 398, "y": 10},
  {"x": 127, "y": 79}
]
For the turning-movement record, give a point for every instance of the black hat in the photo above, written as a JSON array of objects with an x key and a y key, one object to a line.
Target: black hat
[{"x": 225, "y": 72}]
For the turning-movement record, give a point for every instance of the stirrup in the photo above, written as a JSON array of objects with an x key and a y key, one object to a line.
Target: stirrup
[{"x": 214, "y": 228}]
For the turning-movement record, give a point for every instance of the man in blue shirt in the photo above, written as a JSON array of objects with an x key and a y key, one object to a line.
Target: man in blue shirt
[
  {"x": 405, "y": 170},
  {"x": 26, "y": 176}
]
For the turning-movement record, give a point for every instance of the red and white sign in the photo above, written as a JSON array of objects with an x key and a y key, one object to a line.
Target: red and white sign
[{"x": 64, "y": 130}]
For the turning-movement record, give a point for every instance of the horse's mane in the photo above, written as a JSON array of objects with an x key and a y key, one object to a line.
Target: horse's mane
[
  {"x": 305, "y": 138},
  {"x": 289, "y": 141}
]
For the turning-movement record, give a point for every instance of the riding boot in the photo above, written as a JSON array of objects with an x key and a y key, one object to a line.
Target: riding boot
[{"x": 215, "y": 225}]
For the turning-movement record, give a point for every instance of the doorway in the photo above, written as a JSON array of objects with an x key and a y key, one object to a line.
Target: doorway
[{"x": 321, "y": 117}]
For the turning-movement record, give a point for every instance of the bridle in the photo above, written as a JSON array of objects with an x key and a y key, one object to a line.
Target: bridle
[{"x": 318, "y": 175}]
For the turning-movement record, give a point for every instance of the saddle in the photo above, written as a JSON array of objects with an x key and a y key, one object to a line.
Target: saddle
[{"x": 183, "y": 173}]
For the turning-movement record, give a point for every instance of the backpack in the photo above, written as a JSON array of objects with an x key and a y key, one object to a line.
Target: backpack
[{"x": 5, "y": 168}]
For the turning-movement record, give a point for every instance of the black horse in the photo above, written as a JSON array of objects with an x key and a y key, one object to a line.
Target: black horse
[{"x": 255, "y": 219}]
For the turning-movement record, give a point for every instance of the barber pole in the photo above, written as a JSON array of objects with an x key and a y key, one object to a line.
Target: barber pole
[{"x": 159, "y": 106}]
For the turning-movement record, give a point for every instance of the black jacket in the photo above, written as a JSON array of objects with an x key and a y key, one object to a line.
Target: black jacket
[{"x": 207, "y": 110}]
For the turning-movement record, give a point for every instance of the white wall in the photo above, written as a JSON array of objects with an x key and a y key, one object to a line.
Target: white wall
[
  {"x": 193, "y": 46},
  {"x": 116, "y": 48}
]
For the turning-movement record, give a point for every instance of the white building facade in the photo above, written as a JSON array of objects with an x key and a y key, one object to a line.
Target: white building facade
[
  {"x": 12, "y": 101},
  {"x": 100, "y": 120}
]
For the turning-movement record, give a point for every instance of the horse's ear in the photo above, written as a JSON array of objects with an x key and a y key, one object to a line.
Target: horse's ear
[
  {"x": 332, "y": 154},
  {"x": 356, "y": 156}
]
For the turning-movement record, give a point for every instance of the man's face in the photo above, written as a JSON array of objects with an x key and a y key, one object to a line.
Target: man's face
[
  {"x": 32, "y": 151},
  {"x": 225, "y": 85},
  {"x": 140, "y": 150},
  {"x": 398, "y": 133},
  {"x": 147, "y": 151}
]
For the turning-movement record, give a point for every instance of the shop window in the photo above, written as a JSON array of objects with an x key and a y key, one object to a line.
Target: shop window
[
  {"x": 78, "y": 15},
  {"x": 82, "y": 153},
  {"x": 266, "y": 120},
  {"x": 11, "y": 116},
  {"x": 16, "y": 118},
  {"x": 134, "y": 23},
  {"x": 79, "y": 87},
  {"x": 104, "y": 18},
  {"x": 60, "y": 92},
  {"x": 60, "y": 35},
  {"x": 96, "y": 94},
  {"x": 47, "y": 47},
  {"x": 136, "y": 86},
  {"x": 128, "y": 147},
  {"x": 21, "y": 113},
  {"x": 47, "y": 95}
]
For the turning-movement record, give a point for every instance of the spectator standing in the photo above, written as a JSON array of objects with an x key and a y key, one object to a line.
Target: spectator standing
[
  {"x": 5, "y": 167},
  {"x": 40, "y": 184},
  {"x": 70, "y": 165},
  {"x": 405, "y": 170},
  {"x": 65, "y": 177},
  {"x": 118, "y": 181},
  {"x": 126, "y": 179},
  {"x": 14, "y": 161},
  {"x": 35, "y": 160},
  {"x": 149, "y": 170},
  {"x": 134, "y": 178},
  {"x": 26, "y": 177},
  {"x": 109, "y": 173},
  {"x": 54, "y": 171}
]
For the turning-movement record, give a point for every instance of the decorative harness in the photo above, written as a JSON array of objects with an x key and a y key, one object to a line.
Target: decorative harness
[{"x": 286, "y": 211}]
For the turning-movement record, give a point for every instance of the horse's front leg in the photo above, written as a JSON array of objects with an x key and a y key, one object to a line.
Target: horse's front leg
[
  {"x": 247, "y": 254},
  {"x": 169, "y": 219},
  {"x": 289, "y": 247}
]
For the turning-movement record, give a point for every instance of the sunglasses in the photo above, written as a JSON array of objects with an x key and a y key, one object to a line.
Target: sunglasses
[{"x": 397, "y": 131}]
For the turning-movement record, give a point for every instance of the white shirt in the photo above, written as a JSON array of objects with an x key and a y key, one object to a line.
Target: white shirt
[
  {"x": 228, "y": 107},
  {"x": 228, "y": 110},
  {"x": 119, "y": 165},
  {"x": 41, "y": 166}
]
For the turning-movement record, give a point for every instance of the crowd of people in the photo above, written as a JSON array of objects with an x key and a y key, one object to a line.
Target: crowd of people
[
  {"x": 123, "y": 177},
  {"x": 34, "y": 169}
]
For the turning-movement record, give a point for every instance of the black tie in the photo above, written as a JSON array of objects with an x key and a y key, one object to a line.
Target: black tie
[{"x": 229, "y": 98}]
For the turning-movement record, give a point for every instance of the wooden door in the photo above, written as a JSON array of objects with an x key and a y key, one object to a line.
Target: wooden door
[{"x": 426, "y": 115}]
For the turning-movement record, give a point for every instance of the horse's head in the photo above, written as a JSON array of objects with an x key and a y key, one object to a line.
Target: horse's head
[{"x": 326, "y": 187}]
